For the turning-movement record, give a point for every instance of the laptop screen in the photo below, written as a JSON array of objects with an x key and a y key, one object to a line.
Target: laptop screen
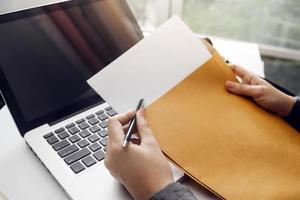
[{"x": 48, "y": 53}]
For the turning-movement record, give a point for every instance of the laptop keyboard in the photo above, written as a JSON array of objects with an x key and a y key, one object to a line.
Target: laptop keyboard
[{"x": 83, "y": 143}]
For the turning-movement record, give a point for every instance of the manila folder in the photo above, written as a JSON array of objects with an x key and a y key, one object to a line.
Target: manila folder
[{"x": 225, "y": 142}]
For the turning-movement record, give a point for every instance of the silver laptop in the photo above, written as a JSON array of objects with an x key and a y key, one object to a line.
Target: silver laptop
[{"x": 46, "y": 56}]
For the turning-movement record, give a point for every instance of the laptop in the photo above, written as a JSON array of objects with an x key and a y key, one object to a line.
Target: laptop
[{"x": 46, "y": 56}]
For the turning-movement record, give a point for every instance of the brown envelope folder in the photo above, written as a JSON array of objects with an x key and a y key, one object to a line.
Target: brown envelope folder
[{"x": 225, "y": 142}]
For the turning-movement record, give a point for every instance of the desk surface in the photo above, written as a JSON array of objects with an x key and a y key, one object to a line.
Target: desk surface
[{"x": 23, "y": 176}]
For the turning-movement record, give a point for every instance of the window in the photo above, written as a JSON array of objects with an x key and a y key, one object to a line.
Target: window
[{"x": 273, "y": 24}]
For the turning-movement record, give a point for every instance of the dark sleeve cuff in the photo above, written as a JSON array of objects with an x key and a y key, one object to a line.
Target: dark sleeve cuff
[
  {"x": 293, "y": 118},
  {"x": 174, "y": 191}
]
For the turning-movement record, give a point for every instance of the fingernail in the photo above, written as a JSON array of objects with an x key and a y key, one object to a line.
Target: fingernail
[{"x": 229, "y": 84}]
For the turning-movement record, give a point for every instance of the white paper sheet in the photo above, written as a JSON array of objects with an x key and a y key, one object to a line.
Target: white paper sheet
[{"x": 152, "y": 67}]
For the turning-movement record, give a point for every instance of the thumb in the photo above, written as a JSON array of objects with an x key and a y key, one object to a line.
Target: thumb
[
  {"x": 143, "y": 128},
  {"x": 244, "y": 89}
]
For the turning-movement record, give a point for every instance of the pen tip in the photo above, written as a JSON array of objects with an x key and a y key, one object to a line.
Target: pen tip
[{"x": 124, "y": 143}]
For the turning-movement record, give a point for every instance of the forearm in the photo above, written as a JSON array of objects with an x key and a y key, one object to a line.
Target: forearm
[
  {"x": 294, "y": 117},
  {"x": 174, "y": 191}
]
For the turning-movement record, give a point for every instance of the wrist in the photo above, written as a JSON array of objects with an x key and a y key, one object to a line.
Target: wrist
[{"x": 287, "y": 106}]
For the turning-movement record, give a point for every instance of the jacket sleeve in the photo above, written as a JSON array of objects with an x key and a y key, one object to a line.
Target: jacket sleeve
[
  {"x": 174, "y": 191},
  {"x": 294, "y": 117}
]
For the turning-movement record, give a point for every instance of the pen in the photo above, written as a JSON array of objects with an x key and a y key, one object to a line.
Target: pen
[{"x": 132, "y": 124}]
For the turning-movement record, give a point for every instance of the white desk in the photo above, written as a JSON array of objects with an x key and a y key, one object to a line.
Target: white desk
[{"x": 21, "y": 174}]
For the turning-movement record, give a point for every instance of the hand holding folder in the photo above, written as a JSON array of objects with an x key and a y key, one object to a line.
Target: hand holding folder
[{"x": 225, "y": 142}]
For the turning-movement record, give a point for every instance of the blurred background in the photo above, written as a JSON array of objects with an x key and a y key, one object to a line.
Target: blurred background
[{"x": 272, "y": 24}]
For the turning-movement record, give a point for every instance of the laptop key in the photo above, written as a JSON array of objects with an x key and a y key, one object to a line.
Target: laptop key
[
  {"x": 83, "y": 143},
  {"x": 90, "y": 116},
  {"x": 74, "y": 138},
  {"x": 93, "y": 121},
  {"x": 93, "y": 138},
  {"x": 74, "y": 130},
  {"x": 60, "y": 145},
  {"x": 83, "y": 125},
  {"x": 111, "y": 112},
  {"x": 99, "y": 155},
  {"x": 59, "y": 130},
  {"x": 103, "y": 124},
  {"x": 95, "y": 147},
  {"x": 70, "y": 125},
  {"x": 103, "y": 133},
  {"x": 67, "y": 151},
  {"x": 63, "y": 135},
  {"x": 102, "y": 116},
  {"x": 108, "y": 108},
  {"x": 52, "y": 140},
  {"x": 77, "y": 167},
  {"x": 77, "y": 156},
  {"x": 95, "y": 129},
  {"x": 99, "y": 112},
  {"x": 89, "y": 161},
  {"x": 103, "y": 141},
  {"x": 80, "y": 120},
  {"x": 48, "y": 135},
  {"x": 85, "y": 133}
]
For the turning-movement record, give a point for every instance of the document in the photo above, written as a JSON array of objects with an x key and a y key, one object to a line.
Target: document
[{"x": 152, "y": 67}]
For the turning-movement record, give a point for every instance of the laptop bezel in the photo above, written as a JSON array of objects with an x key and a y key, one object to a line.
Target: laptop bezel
[{"x": 68, "y": 111}]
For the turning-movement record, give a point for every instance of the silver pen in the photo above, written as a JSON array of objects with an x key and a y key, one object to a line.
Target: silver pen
[{"x": 132, "y": 124}]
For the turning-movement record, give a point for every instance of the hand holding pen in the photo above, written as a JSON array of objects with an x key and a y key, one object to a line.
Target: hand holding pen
[{"x": 141, "y": 167}]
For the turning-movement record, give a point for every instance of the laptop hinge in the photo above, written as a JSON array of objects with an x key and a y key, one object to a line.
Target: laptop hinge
[{"x": 75, "y": 113}]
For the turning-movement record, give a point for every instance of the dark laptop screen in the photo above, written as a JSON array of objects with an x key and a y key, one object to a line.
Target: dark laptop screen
[{"x": 48, "y": 53}]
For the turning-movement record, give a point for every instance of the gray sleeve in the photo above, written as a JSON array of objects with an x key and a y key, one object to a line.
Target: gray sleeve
[
  {"x": 294, "y": 117},
  {"x": 174, "y": 191}
]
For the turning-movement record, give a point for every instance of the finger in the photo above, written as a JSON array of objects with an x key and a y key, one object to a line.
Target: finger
[
  {"x": 125, "y": 128},
  {"x": 143, "y": 128},
  {"x": 246, "y": 76},
  {"x": 115, "y": 131},
  {"x": 239, "y": 71},
  {"x": 125, "y": 118},
  {"x": 243, "y": 89},
  {"x": 208, "y": 40},
  {"x": 209, "y": 47}
]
